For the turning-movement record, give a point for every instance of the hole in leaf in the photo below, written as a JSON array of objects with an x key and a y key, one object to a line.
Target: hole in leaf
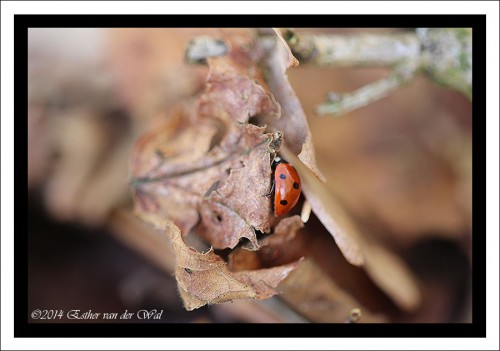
[
  {"x": 260, "y": 235},
  {"x": 192, "y": 239},
  {"x": 255, "y": 120},
  {"x": 223, "y": 253},
  {"x": 244, "y": 241}
]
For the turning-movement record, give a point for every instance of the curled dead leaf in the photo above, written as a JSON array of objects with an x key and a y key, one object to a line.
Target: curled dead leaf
[
  {"x": 236, "y": 92},
  {"x": 293, "y": 121},
  {"x": 205, "y": 167},
  {"x": 319, "y": 299},
  {"x": 265, "y": 281},
  {"x": 189, "y": 180},
  {"x": 275, "y": 249},
  {"x": 285, "y": 231},
  {"x": 387, "y": 270},
  {"x": 390, "y": 273},
  {"x": 329, "y": 212},
  {"x": 222, "y": 287},
  {"x": 209, "y": 171},
  {"x": 204, "y": 278}
]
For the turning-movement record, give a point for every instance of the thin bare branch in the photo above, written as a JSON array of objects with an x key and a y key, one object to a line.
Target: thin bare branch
[
  {"x": 200, "y": 48},
  {"x": 339, "y": 104},
  {"x": 444, "y": 55},
  {"x": 332, "y": 50}
]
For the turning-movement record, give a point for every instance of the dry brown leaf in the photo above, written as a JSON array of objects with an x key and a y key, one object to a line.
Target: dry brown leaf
[
  {"x": 400, "y": 284},
  {"x": 207, "y": 165},
  {"x": 329, "y": 212},
  {"x": 285, "y": 230},
  {"x": 209, "y": 171},
  {"x": 275, "y": 249},
  {"x": 317, "y": 297},
  {"x": 232, "y": 90},
  {"x": 194, "y": 269},
  {"x": 224, "y": 184},
  {"x": 240, "y": 259},
  {"x": 203, "y": 278},
  {"x": 265, "y": 281},
  {"x": 293, "y": 122},
  {"x": 212, "y": 286},
  {"x": 390, "y": 273}
]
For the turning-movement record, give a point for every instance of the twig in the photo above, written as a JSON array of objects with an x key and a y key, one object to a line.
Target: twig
[
  {"x": 353, "y": 50},
  {"x": 306, "y": 211},
  {"x": 443, "y": 55},
  {"x": 200, "y": 48},
  {"x": 341, "y": 104}
]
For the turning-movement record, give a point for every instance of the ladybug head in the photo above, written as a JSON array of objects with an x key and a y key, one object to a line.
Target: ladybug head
[{"x": 277, "y": 160}]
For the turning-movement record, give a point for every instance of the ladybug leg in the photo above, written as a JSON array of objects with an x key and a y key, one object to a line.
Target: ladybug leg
[{"x": 272, "y": 189}]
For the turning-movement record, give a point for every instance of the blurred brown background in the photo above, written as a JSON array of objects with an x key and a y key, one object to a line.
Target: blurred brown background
[{"x": 401, "y": 166}]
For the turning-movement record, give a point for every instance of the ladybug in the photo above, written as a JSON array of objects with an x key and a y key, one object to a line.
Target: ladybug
[{"x": 286, "y": 186}]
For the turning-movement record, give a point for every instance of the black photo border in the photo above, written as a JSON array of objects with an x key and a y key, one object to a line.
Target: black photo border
[{"x": 22, "y": 327}]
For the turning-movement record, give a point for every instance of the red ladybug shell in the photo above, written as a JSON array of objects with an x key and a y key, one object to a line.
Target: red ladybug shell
[{"x": 286, "y": 188}]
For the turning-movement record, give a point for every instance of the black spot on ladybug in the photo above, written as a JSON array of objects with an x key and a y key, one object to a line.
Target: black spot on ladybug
[
  {"x": 282, "y": 176},
  {"x": 283, "y": 202},
  {"x": 295, "y": 185}
]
